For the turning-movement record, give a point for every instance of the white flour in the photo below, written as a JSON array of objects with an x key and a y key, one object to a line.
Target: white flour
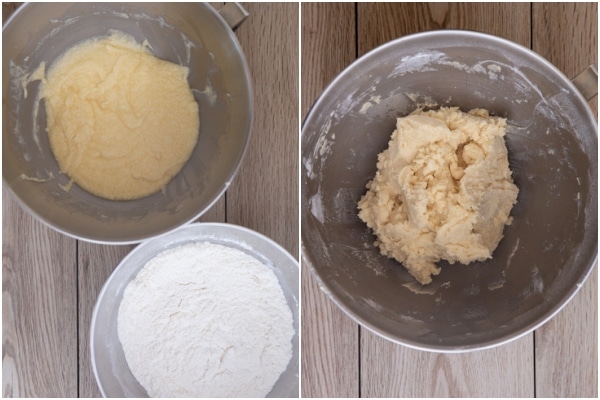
[{"x": 205, "y": 320}]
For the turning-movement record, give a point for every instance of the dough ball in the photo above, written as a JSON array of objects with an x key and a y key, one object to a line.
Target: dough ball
[{"x": 443, "y": 190}]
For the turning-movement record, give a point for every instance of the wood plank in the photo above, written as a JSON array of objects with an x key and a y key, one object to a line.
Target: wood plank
[
  {"x": 329, "y": 338},
  {"x": 397, "y": 371},
  {"x": 39, "y": 307},
  {"x": 39, "y": 303},
  {"x": 328, "y": 46},
  {"x": 329, "y": 348},
  {"x": 381, "y": 22},
  {"x": 264, "y": 195},
  {"x": 391, "y": 370},
  {"x": 567, "y": 347},
  {"x": 216, "y": 213},
  {"x": 8, "y": 8},
  {"x": 566, "y": 34},
  {"x": 95, "y": 262}
]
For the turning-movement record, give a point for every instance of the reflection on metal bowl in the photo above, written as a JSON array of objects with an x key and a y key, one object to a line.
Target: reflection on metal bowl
[
  {"x": 110, "y": 367},
  {"x": 547, "y": 252},
  {"x": 190, "y": 34}
]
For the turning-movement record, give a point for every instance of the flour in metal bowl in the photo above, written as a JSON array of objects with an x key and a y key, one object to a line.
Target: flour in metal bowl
[{"x": 205, "y": 320}]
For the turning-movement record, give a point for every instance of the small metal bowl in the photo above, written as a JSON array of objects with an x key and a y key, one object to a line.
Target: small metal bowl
[
  {"x": 108, "y": 360},
  {"x": 547, "y": 252},
  {"x": 190, "y": 34}
]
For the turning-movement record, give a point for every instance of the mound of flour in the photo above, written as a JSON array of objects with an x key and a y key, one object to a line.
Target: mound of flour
[{"x": 205, "y": 320}]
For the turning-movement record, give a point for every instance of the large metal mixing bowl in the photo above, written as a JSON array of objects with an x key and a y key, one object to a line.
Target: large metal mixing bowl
[
  {"x": 191, "y": 34},
  {"x": 547, "y": 252}
]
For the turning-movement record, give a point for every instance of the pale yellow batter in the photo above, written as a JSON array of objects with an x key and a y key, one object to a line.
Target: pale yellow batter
[
  {"x": 443, "y": 190},
  {"x": 121, "y": 122}
]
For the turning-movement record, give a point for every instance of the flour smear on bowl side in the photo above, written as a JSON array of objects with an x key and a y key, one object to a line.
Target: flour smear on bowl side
[
  {"x": 443, "y": 190},
  {"x": 205, "y": 320}
]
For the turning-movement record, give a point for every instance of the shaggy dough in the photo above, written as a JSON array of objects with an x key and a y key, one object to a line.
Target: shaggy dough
[
  {"x": 443, "y": 190},
  {"x": 121, "y": 122}
]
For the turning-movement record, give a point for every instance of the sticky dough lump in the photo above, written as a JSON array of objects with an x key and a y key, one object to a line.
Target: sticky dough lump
[
  {"x": 443, "y": 190},
  {"x": 121, "y": 122}
]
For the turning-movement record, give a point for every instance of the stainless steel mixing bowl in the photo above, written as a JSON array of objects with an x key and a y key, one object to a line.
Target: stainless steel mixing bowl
[
  {"x": 191, "y": 34},
  {"x": 546, "y": 253},
  {"x": 110, "y": 367}
]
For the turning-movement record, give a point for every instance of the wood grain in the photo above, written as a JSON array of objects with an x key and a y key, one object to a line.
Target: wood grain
[
  {"x": 95, "y": 263},
  {"x": 39, "y": 307},
  {"x": 566, "y": 347},
  {"x": 39, "y": 303},
  {"x": 389, "y": 370},
  {"x": 566, "y": 34},
  {"x": 330, "y": 354},
  {"x": 328, "y": 35},
  {"x": 253, "y": 200},
  {"x": 381, "y": 22}
]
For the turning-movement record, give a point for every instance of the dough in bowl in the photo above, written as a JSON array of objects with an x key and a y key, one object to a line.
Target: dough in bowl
[
  {"x": 443, "y": 190},
  {"x": 121, "y": 122}
]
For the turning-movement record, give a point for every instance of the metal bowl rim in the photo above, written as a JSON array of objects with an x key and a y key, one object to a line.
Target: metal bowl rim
[
  {"x": 149, "y": 243},
  {"x": 218, "y": 194},
  {"x": 327, "y": 289}
]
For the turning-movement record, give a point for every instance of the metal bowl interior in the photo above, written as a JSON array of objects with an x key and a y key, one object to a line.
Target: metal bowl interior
[
  {"x": 190, "y": 34},
  {"x": 108, "y": 360},
  {"x": 546, "y": 253}
]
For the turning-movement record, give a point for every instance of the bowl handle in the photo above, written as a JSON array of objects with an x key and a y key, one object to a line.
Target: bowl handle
[
  {"x": 234, "y": 14},
  {"x": 587, "y": 82}
]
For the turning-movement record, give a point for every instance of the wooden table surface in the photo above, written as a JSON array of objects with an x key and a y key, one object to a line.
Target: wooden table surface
[
  {"x": 50, "y": 281},
  {"x": 341, "y": 359}
]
